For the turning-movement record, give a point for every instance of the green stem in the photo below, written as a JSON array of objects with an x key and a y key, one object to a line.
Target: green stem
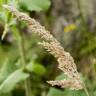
[
  {"x": 5, "y": 31},
  {"x": 23, "y": 60},
  {"x": 28, "y": 87},
  {"x": 22, "y": 51},
  {"x": 85, "y": 89}
]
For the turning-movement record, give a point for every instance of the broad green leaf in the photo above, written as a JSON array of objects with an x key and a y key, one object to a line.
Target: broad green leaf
[
  {"x": 61, "y": 77},
  {"x": 9, "y": 84},
  {"x": 55, "y": 92},
  {"x": 6, "y": 68},
  {"x": 36, "y": 68},
  {"x": 35, "y": 5}
]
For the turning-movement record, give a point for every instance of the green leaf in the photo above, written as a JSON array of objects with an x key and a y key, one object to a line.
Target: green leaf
[
  {"x": 61, "y": 77},
  {"x": 36, "y": 68},
  {"x": 35, "y": 5},
  {"x": 9, "y": 84},
  {"x": 55, "y": 92},
  {"x": 6, "y": 69}
]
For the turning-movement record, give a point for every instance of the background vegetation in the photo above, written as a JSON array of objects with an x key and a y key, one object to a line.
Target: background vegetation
[{"x": 72, "y": 22}]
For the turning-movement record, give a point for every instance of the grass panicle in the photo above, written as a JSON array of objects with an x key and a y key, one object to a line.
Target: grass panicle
[{"x": 65, "y": 60}]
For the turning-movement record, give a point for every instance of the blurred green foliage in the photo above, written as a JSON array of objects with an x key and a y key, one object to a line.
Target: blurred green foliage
[
  {"x": 11, "y": 71},
  {"x": 40, "y": 65},
  {"x": 35, "y": 5},
  {"x": 11, "y": 81}
]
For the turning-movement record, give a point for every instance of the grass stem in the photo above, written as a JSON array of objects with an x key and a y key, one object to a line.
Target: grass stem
[{"x": 23, "y": 62}]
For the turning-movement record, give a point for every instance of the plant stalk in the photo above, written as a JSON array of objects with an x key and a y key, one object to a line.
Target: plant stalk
[
  {"x": 23, "y": 62},
  {"x": 85, "y": 89}
]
